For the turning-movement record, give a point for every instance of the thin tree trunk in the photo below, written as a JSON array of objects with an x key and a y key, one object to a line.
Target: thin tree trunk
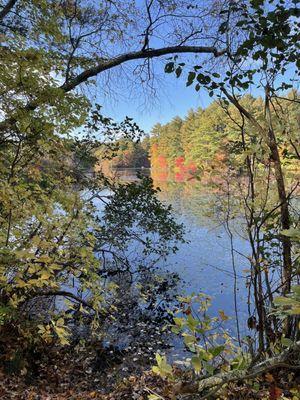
[
  {"x": 269, "y": 136},
  {"x": 284, "y": 208}
]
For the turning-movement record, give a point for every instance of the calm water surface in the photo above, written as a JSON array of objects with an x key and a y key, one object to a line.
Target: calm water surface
[{"x": 204, "y": 263}]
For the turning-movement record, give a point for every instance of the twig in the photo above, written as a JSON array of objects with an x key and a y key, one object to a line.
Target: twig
[{"x": 152, "y": 392}]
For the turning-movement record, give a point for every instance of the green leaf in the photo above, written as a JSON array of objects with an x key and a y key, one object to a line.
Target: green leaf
[
  {"x": 191, "y": 78},
  {"x": 189, "y": 340},
  {"x": 286, "y": 342},
  {"x": 296, "y": 289},
  {"x": 180, "y": 322},
  {"x": 178, "y": 71},
  {"x": 283, "y": 301},
  {"x": 154, "y": 397},
  {"x": 209, "y": 368},
  {"x": 163, "y": 368},
  {"x": 196, "y": 363},
  {"x": 169, "y": 67},
  {"x": 292, "y": 233},
  {"x": 215, "y": 351}
]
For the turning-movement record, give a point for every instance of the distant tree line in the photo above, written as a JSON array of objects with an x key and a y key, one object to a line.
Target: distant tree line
[
  {"x": 126, "y": 153},
  {"x": 209, "y": 139}
]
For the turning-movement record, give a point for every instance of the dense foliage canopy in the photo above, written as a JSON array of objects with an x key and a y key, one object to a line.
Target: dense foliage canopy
[{"x": 209, "y": 139}]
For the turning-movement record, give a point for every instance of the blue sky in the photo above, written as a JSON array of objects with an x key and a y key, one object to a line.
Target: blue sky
[{"x": 172, "y": 98}]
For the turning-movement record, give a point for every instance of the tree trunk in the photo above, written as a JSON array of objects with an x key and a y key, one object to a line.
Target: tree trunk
[
  {"x": 284, "y": 208},
  {"x": 269, "y": 135}
]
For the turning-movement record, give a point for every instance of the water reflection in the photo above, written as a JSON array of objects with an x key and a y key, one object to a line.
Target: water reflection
[{"x": 204, "y": 263}]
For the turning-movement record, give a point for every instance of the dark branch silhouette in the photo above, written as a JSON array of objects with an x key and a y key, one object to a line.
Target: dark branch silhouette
[
  {"x": 6, "y": 9},
  {"x": 107, "y": 64}
]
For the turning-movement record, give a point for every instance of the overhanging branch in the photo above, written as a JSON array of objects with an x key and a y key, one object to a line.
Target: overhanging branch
[
  {"x": 64, "y": 293},
  {"x": 107, "y": 64},
  {"x": 137, "y": 55}
]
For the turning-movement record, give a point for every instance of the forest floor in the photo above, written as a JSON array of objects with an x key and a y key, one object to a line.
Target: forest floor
[{"x": 65, "y": 375}]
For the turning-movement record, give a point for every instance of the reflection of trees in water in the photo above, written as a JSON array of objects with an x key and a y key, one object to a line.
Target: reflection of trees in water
[
  {"x": 142, "y": 298},
  {"x": 206, "y": 200},
  {"x": 189, "y": 197},
  {"x": 142, "y": 232}
]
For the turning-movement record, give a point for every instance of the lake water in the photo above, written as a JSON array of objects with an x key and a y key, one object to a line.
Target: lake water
[{"x": 205, "y": 262}]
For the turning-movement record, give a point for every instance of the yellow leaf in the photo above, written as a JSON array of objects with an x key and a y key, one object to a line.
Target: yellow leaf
[
  {"x": 269, "y": 377},
  {"x": 223, "y": 316},
  {"x": 45, "y": 275}
]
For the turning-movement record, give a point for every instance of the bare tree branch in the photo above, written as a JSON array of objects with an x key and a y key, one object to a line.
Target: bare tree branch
[
  {"x": 283, "y": 360},
  {"x": 148, "y": 29},
  {"x": 137, "y": 55},
  {"x": 6, "y": 9},
  {"x": 64, "y": 293}
]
